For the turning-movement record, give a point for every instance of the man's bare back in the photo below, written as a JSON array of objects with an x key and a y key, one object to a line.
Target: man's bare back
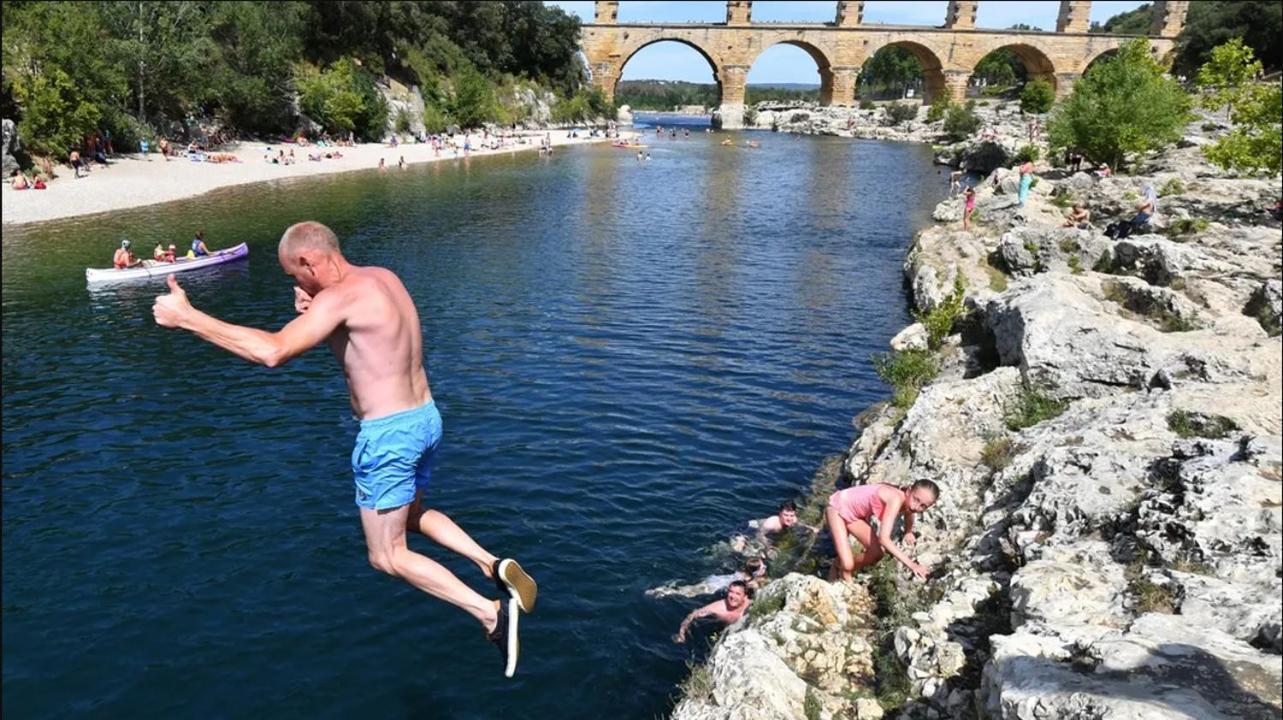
[{"x": 378, "y": 341}]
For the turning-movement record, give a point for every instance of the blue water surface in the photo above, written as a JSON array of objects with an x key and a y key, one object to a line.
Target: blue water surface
[{"x": 631, "y": 357}]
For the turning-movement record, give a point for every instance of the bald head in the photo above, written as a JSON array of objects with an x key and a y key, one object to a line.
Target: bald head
[{"x": 305, "y": 236}]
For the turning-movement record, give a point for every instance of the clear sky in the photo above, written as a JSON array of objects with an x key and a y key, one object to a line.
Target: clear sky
[{"x": 787, "y": 64}]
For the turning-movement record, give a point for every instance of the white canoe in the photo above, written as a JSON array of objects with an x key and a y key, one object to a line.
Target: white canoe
[{"x": 152, "y": 268}]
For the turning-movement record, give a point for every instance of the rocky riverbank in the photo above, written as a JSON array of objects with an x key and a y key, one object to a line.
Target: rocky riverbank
[{"x": 1104, "y": 419}]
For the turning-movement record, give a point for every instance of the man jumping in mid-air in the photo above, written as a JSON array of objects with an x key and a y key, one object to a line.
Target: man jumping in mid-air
[{"x": 373, "y": 329}]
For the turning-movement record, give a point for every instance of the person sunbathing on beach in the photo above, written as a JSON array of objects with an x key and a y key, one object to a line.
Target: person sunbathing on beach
[
  {"x": 852, "y": 511},
  {"x": 20, "y": 181},
  {"x": 727, "y": 610},
  {"x": 372, "y": 326},
  {"x": 753, "y": 574}
]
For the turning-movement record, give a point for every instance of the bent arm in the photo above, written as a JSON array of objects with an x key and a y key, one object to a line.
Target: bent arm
[
  {"x": 692, "y": 617},
  {"x": 267, "y": 348},
  {"x": 885, "y": 525}
]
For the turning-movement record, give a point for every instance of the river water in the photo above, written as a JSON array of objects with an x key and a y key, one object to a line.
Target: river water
[{"x": 631, "y": 357}]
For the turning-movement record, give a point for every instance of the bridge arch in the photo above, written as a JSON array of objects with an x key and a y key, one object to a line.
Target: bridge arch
[
  {"x": 1038, "y": 66},
  {"x": 628, "y": 53},
  {"x": 829, "y": 94},
  {"x": 933, "y": 74}
]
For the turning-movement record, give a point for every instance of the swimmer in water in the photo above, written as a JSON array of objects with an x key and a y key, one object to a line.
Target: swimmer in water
[{"x": 753, "y": 574}]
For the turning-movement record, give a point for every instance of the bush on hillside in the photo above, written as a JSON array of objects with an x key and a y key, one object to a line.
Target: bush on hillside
[
  {"x": 343, "y": 99},
  {"x": 901, "y": 112},
  {"x": 1037, "y": 97},
  {"x": 938, "y": 109},
  {"x": 1254, "y": 143},
  {"x": 1124, "y": 105},
  {"x": 961, "y": 122}
]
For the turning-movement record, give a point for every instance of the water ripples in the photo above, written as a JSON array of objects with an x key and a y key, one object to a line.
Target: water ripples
[{"x": 631, "y": 359}]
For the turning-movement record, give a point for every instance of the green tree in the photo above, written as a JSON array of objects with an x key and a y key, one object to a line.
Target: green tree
[
  {"x": 343, "y": 99},
  {"x": 960, "y": 122},
  {"x": 1037, "y": 97},
  {"x": 1211, "y": 24},
  {"x": 888, "y": 73},
  {"x": 1132, "y": 22},
  {"x": 1124, "y": 104},
  {"x": 1002, "y": 67},
  {"x": 474, "y": 102},
  {"x": 56, "y": 116},
  {"x": 255, "y": 46},
  {"x": 1255, "y": 109}
]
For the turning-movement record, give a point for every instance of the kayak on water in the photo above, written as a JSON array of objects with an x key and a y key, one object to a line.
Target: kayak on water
[{"x": 153, "y": 268}]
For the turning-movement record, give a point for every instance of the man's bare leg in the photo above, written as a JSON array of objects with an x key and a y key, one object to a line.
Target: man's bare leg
[
  {"x": 439, "y": 528},
  {"x": 385, "y": 540}
]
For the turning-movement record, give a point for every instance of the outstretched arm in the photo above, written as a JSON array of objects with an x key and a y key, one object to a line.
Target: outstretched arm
[
  {"x": 323, "y": 316},
  {"x": 885, "y": 524},
  {"x": 695, "y": 615}
]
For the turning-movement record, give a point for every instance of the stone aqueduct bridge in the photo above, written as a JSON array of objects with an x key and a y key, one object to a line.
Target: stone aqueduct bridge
[{"x": 948, "y": 54}]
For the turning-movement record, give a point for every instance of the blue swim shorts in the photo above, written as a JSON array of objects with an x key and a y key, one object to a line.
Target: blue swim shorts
[{"x": 393, "y": 456}]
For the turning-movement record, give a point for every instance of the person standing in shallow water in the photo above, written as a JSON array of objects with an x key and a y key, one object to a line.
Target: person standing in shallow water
[
  {"x": 372, "y": 327},
  {"x": 851, "y": 512}
]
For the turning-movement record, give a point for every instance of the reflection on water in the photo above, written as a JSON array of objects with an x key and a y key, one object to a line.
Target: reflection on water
[{"x": 631, "y": 358}]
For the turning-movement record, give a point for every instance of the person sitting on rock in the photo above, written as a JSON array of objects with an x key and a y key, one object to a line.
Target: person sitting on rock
[
  {"x": 852, "y": 511},
  {"x": 727, "y": 610},
  {"x": 1079, "y": 217}
]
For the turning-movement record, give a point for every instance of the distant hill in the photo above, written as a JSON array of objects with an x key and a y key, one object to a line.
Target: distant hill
[{"x": 669, "y": 94}]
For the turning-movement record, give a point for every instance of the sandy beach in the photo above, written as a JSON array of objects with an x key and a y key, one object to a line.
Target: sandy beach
[{"x": 133, "y": 181}]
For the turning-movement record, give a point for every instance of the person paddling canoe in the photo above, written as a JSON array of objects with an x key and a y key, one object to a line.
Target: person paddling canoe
[{"x": 372, "y": 327}]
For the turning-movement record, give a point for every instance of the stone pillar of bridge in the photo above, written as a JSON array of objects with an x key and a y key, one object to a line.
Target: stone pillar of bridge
[
  {"x": 605, "y": 75},
  {"x": 739, "y": 12},
  {"x": 605, "y": 13},
  {"x": 952, "y": 86},
  {"x": 841, "y": 90},
  {"x": 850, "y": 14},
  {"x": 1167, "y": 19},
  {"x": 730, "y": 114},
  {"x": 961, "y": 15},
  {"x": 1075, "y": 16},
  {"x": 1065, "y": 84}
]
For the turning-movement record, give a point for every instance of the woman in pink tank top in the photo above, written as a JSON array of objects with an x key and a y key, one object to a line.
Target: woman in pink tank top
[{"x": 851, "y": 512}]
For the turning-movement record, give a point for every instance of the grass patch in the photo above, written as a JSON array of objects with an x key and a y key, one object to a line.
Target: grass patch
[
  {"x": 764, "y": 607},
  {"x": 1104, "y": 263},
  {"x": 940, "y": 319},
  {"x": 1075, "y": 265},
  {"x": 811, "y": 705},
  {"x": 1172, "y": 187},
  {"x": 907, "y": 371},
  {"x": 1149, "y": 596},
  {"x": 1030, "y": 407},
  {"x": 997, "y": 452},
  {"x": 997, "y": 278},
  {"x": 1188, "y": 424},
  {"x": 1130, "y": 196},
  {"x": 894, "y": 610},
  {"x": 1145, "y": 306},
  {"x": 1062, "y": 200},
  {"x": 698, "y": 684},
  {"x": 1068, "y": 245},
  {"x": 1186, "y": 226}
]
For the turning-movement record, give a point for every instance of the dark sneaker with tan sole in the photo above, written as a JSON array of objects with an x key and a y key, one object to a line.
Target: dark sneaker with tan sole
[
  {"x": 514, "y": 582},
  {"x": 504, "y": 636}
]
